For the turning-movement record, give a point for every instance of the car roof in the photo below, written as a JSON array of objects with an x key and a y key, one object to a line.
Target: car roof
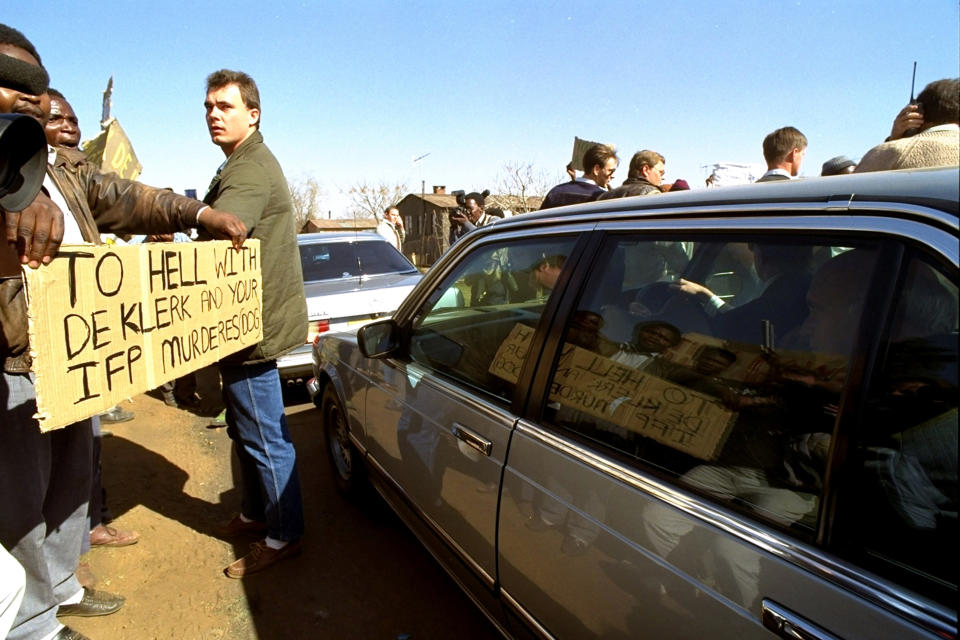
[
  {"x": 339, "y": 236},
  {"x": 931, "y": 188}
]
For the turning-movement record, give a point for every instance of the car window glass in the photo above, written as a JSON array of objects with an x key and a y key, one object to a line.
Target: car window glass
[
  {"x": 328, "y": 261},
  {"x": 733, "y": 392},
  {"x": 378, "y": 257},
  {"x": 906, "y": 494},
  {"x": 475, "y": 325}
]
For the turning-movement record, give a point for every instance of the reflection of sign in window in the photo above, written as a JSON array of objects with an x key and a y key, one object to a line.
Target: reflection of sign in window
[
  {"x": 752, "y": 366},
  {"x": 686, "y": 420}
]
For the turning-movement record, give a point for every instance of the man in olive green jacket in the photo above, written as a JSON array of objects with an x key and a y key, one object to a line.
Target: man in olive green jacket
[{"x": 251, "y": 183}]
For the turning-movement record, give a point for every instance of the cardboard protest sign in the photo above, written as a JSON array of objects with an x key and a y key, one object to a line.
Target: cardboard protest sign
[
  {"x": 109, "y": 322},
  {"x": 580, "y": 147},
  {"x": 671, "y": 414}
]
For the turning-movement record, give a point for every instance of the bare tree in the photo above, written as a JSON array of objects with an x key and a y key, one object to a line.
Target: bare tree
[
  {"x": 306, "y": 195},
  {"x": 517, "y": 184},
  {"x": 370, "y": 200}
]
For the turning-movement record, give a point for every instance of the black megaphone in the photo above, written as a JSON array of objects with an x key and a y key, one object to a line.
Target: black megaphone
[{"x": 23, "y": 160}]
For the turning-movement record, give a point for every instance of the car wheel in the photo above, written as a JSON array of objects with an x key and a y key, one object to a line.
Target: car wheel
[{"x": 345, "y": 462}]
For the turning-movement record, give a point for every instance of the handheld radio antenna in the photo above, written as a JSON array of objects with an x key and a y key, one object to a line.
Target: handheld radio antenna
[{"x": 913, "y": 79}]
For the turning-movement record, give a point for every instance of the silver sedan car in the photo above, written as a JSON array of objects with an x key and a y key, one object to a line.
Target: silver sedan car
[
  {"x": 725, "y": 413},
  {"x": 349, "y": 279}
]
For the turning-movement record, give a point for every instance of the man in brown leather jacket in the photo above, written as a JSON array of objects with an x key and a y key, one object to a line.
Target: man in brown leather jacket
[{"x": 46, "y": 476}]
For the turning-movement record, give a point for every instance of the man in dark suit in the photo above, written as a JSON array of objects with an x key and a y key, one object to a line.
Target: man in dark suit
[
  {"x": 783, "y": 150},
  {"x": 785, "y": 271},
  {"x": 599, "y": 163}
]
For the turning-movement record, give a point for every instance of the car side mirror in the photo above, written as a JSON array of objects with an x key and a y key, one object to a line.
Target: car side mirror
[{"x": 379, "y": 339}]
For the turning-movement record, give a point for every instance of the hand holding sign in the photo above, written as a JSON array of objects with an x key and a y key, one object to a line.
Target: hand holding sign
[
  {"x": 223, "y": 226},
  {"x": 37, "y": 231}
]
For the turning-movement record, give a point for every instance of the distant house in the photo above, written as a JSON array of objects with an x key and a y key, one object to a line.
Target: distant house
[
  {"x": 340, "y": 224},
  {"x": 426, "y": 218}
]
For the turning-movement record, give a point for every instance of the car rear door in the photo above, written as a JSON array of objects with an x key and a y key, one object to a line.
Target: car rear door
[{"x": 681, "y": 476}]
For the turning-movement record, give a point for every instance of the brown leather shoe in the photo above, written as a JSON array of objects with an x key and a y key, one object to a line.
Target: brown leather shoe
[
  {"x": 94, "y": 603},
  {"x": 66, "y": 633},
  {"x": 260, "y": 557},
  {"x": 235, "y": 527},
  {"x": 104, "y": 536}
]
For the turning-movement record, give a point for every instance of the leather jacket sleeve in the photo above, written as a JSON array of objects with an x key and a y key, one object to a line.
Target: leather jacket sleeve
[
  {"x": 123, "y": 206},
  {"x": 111, "y": 204}
]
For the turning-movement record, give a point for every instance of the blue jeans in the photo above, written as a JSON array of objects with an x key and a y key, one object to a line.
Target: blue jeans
[{"x": 268, "y": 462}]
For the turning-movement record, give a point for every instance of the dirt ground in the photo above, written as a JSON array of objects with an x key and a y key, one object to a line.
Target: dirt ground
[{"x": 170, "y": 476}]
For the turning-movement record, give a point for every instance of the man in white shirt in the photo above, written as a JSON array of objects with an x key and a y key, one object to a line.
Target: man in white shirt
[
  {"x": 391, "y": 227},
  {"x": 783, "y": 150}
]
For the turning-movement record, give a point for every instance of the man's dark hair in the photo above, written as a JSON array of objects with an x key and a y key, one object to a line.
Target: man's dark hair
[
  {"x": 393, "y": 206},
  {"x": 640, "y": 159},
  {"x": 598, "y": 154},
  {"x": 479, "y": 198},
  {"x": 56, "y": 94},
  {"x": 941, "y": 102},
  {"x": 9, "y": 35},
  {"x": 248, "y": 88},
  {"x": 781, "y": 142}
]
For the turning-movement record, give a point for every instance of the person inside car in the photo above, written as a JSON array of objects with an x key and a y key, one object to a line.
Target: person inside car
[
  {"x": 774, "y": 457},
  {"x": 785, "y": 273}
]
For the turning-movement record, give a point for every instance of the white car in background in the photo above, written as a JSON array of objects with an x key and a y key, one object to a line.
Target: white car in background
[{"x": 349, "y": 279}]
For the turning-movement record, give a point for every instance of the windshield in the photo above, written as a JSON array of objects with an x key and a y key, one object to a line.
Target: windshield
[{"x": 335, "y": 260}]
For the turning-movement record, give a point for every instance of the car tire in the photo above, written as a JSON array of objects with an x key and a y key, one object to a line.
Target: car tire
[{"x": 346, "y": 464}]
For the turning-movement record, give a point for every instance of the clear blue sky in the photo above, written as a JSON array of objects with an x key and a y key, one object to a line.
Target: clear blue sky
[{"x": 354, "y": 91}]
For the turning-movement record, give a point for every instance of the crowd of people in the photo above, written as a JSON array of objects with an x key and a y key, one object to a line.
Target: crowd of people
[
  {"x": 925, "y": 134},
  {"x": 51, "y": 506}
]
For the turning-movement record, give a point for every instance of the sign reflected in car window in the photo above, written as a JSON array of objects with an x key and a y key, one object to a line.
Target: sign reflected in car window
[{"x": 735, "y": 391}]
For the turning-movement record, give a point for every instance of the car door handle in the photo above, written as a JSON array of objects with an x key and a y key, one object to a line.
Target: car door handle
[
  {"x": 787, "y": 624},
  {"x": 472, "y": 439}
]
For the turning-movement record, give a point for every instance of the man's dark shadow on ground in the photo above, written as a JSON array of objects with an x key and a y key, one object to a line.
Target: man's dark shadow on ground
[
  {"x": 151, "y": 480},
  {"x": 361, "y": 573}
]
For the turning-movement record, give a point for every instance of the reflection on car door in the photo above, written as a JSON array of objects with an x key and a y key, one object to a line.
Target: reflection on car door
[
  {"x": 671, "y": 484},
  {"x": 438, "y": 418}
]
